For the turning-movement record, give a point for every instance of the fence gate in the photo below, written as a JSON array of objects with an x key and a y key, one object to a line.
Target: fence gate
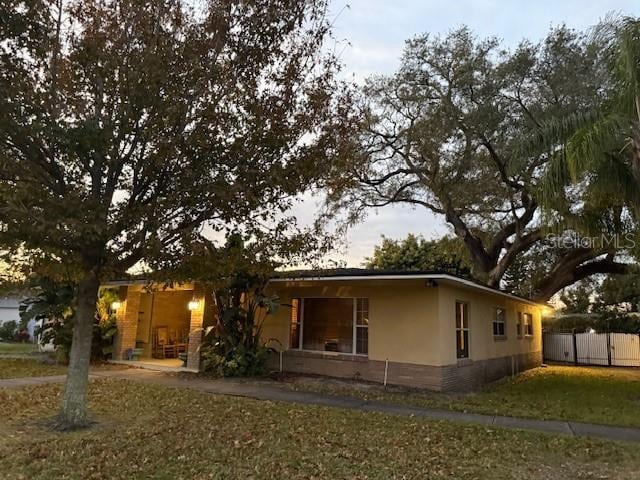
[
  {"x": 613, "y": 349},
  {"x": 625, "y": 350}
]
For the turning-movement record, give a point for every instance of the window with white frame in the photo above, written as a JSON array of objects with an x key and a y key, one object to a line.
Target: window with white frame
[
  {"x": 330, "y": 325},
  {"x": 362, "y": 326},
  {"x": 528, "y": 324},
  {"x": 499, "y": 322}
]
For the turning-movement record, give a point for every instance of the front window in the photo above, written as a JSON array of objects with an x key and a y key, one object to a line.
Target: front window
[
  {"x": 528, "y": 324},
  {"x": 462, "y": 330},
  {"x": 499, "y": 322},
  {"x": 330, "y": 325}
]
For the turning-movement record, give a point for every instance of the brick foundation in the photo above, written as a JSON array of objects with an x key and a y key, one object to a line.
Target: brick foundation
[
  {"x": 464, "y": 376},
  {"x": 470, "y": 375}
]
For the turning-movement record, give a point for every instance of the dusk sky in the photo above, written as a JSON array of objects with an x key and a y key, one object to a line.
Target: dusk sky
[{"x": 371, "y": 36}]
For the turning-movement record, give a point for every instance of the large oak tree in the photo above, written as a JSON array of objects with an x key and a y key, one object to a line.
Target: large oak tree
[
  {"x": 448, "y": 133},
  {"x": 126, "y": 126}
]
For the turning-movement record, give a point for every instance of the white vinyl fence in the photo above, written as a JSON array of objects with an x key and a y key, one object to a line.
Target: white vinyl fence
[{"x": 612, "y": 349}]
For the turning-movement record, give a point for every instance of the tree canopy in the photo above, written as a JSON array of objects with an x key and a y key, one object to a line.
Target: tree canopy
[
  {"x": 417, "y": 254},
  {"x": 127, "y": 127},
  {"x": 446, "y": 133}
]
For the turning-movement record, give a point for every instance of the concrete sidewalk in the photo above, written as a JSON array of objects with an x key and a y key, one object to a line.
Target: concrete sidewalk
[{"x": 263, "y": 390}]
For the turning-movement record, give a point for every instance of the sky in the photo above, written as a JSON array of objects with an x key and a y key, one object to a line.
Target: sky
[{"x": 370, "y": 36}]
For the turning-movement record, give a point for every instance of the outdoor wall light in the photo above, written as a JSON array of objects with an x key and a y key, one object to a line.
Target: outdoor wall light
[
  {"x": 194, "y": 305},
  {"x": 116, "y": 305}
]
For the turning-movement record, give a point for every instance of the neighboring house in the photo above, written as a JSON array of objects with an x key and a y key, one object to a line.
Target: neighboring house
[
  {"x": 9, "y": 311},
  {"x": 425, "y": 330}
]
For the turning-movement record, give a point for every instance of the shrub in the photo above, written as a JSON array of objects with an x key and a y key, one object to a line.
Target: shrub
[
  {"x": 53, "y": 307},
  {"x": 234, "y": 347},
  {"x": 8, "y": 331},
  {"x": 234, "y": 361}
]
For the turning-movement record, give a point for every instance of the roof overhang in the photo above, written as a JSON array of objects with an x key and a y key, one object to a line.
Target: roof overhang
[{"x": 418, "y": 276}]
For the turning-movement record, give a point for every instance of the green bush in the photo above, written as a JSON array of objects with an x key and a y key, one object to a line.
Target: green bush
[
  {"x": 234, "y": 361},
  {"x": 53, "y": 306},
  {"x": 234, "y": 348},
  {"x": 619, "y": 322},
  {"x": 8, "y": 331}
]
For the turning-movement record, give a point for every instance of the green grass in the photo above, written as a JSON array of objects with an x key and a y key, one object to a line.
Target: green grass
[
  {"x": 18, "y": 348},
  {"x": 586, "y": 394},
  {"x": 150, "y": 431},
  {"x": 17, "y": 368}
]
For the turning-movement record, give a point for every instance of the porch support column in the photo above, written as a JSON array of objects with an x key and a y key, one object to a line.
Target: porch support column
[
  {"x": 195, "y": 331},
  {"x": 127, "y": 322}
]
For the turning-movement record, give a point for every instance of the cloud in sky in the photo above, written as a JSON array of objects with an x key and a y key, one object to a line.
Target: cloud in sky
[
  {"x": 370, "y": 36},
  {"x": 377, "y": 29}
]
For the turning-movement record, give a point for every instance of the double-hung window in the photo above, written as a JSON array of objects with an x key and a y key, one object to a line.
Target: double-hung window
[
  {"x": 528, "y": 324},
  {"x": 330, "y": 325},
  {"x": 462, "y": 330},
  {"x": 499, "y": 322}
]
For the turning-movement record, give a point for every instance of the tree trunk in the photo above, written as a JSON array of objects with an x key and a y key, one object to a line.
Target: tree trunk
[{"x": 74, "y": 403}]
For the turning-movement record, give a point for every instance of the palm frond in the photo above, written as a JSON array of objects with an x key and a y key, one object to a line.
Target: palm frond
[
  {"x": 590, "y": 145},
  {"x": 550, "y": 137}
]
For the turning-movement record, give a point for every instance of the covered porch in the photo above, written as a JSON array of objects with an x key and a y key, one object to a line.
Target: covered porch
[{"x": 160, "y": 327}]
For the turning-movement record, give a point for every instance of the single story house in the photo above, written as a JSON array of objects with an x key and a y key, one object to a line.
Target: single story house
[{"x": 426, "y": 330}]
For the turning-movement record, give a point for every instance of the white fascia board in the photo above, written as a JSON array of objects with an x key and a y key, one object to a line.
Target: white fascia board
[{"x": 424, "y": 276}]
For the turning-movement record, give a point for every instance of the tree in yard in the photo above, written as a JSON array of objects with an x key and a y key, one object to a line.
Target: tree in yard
[
  {"x": 126, "y": 127},
  {"x": 445, "y": 133},
  {"x": 620, "y": 293},
  {"x": 416, "y": 253},
  {"x": 530, "y": 268},
  {"x": 579, "y": 298},
  {"x": 601, "y": 146}
]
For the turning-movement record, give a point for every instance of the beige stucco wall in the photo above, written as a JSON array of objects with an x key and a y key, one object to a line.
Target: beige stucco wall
[
  {"x": 403, "y": 321},
  {"x": 412, "y": 323},
  {"x": 482, "y": 344}
]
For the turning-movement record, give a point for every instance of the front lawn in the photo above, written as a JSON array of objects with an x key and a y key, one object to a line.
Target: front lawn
[
  {"x": 150, "y": 431},
  {"x": 18, "y": 348},
  {"x": 16, "y": 368},
  {"x": 586, "y": 394}
]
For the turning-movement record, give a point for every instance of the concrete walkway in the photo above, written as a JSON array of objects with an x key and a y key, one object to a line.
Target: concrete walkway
[{"x": 264, "y": 390}]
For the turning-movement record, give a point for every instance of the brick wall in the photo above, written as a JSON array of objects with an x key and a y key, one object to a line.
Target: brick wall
[
  {"x": 127, "y": 322},
  {"x": 469, "y": 375},
  {"x": 464, "y": 376},
  {"x": 195, "y": 330}
]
